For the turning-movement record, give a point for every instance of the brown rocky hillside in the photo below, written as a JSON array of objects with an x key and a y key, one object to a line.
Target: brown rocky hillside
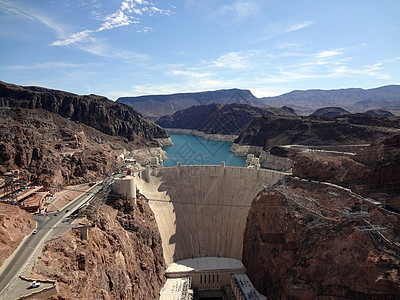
[
  {"x": 15, "y": 224},
  {"x": 303, "y": 241},
  {"x": 374, "y": 171},
  {"x": 95, "y": 111},
  {"x": 121, "y": 259},
  {"x": 271, "y": 130},
  {"x": 56, "y": 138}
]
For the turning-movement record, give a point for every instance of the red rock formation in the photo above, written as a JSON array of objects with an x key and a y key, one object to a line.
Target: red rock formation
[
  {"x": 300, "y": 244},
  {"x": 372, "y": 171},
  {"x": 122, "y": 258},
  {"x": 59, "y": 153},
  {"x": 326, "y": 167},
  {"x": 15, "y": 224}
]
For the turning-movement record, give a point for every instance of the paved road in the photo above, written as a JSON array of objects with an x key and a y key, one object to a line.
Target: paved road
[{"x": 45, "y": 224}]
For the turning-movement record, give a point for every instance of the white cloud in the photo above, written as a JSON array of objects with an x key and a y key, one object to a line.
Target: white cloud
[
  {"x": 129, "y": 13},
  {"x": 298, "y": 26},
  {"x": 190, "y": 74},
  {"x": 236, "y": 60},
  {"x": 274, "y": 30},
  {"x": 116, "y": 19},
  {"x": 99, "y": 48},
  {"x": 238, "y": 11},
  {"x": 74, "y": 38},
  {"x": 367, "y": 70},
  {"x": 328, "y": 53},
  {"x": 13, "y": 9},
  {"x": 290, "y": 45}
]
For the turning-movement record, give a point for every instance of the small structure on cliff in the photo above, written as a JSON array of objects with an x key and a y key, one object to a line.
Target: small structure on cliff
[
  {"x": 252, "y": 162},
  {"x": 156, "y": 161}
]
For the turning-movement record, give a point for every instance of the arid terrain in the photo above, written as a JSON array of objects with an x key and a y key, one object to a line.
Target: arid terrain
[
  {"x": 330, "y": 230},
  {"x": 120, "y": 259},
  {"x": 15, "y": 224},
  {"x": 56, "y": 138},
  {"x": 310, "y": 241}
]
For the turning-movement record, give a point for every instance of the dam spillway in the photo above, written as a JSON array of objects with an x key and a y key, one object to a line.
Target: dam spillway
[{"x": 201, "y": 211}]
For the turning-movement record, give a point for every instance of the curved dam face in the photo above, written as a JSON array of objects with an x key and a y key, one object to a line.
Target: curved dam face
[{"x": 201, "y": 211}]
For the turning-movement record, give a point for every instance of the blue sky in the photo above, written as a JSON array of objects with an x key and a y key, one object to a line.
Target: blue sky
[{"x": 136, "y": 47}]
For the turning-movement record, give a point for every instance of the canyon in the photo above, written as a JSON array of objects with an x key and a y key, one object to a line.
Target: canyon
[{"x": 320, "y": 231}]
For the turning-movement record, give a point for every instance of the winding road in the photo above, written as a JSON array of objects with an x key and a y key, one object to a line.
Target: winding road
[{"x": 45, "y": 226}]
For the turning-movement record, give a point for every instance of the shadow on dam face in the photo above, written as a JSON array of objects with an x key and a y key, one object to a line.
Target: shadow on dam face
[{"x": 201, "y": 211}]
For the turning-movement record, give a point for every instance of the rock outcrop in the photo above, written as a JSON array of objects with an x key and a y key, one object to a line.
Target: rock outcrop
[
  {"x": 95, "y": 111},
  {"x": 330, "y": 112},
  {"x": 380, "y": 113},
  {"x": 15, "y": 224},
  {"x": 270, "y": 130},
  {"x": 226, "y": 119},
  {"x": 373, "y": 171},
  {"x": 59, "y": 152},
  {"x": 306, "y": 241},
  {"x": 121, "y": 259},
  {"x": 58, "y": 138}
]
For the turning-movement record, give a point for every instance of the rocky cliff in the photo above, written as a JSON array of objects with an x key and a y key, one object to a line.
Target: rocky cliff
[
  {"x": 121, "y": 259},
  {"x": 270, "y": 130},
  {"x": 15, "y": 224},
  {"x": 155, "y": 106},
  {"x": 95, "y": 111},
  {"x": 227, "y": 119},
  {"x": 50, "y": 150},
  {"x": 307, "y": 241},
  {"x": 57, "y": 138},
  {"x": 372, "y": 171}
]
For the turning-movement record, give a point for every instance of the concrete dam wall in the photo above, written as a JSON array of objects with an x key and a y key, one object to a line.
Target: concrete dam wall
[{"x": 202, "y": 210}]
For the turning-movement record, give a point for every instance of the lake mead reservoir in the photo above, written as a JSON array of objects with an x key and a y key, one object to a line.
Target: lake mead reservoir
[{"x": 194, "y": 150}]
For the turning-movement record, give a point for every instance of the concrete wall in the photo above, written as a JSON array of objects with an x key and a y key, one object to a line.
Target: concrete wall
[{"x": 202, "y": 210}]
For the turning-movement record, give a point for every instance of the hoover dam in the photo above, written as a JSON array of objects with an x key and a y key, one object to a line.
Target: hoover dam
[{"x": 201, "y": 213}]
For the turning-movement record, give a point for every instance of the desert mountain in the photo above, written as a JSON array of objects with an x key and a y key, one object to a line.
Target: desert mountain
[
  {"x": 380, "y": 113},
  {"x": 330, "y": 112},
  {"x": 353, "y": 99},
  {"x": 228, "y": 119},
  {"x": 271, "y": 130},
  {"x": 95, "y": 111},
  {"x": 55, "y": 137},
  {"x": 155, "y": 106}
]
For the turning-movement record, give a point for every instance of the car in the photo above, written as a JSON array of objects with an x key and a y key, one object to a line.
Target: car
[
  {"x": 67, "y": 210},
  {"x": 55, "y": 215},
  {"x": 34, "y": 284},
  {"x": 34, "y": 232}
]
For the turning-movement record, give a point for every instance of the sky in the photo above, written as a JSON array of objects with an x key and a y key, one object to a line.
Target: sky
[{"x": 121, "y": 48}]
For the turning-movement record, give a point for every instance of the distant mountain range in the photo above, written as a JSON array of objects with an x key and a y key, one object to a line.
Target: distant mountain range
[
  {"x": 353, "y": 100},
  {"x": 303, "y": 102},
  {"x": 155, "y": 106}
]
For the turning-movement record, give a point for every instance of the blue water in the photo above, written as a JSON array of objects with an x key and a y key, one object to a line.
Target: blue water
[{"x": 194, "y": 150}]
